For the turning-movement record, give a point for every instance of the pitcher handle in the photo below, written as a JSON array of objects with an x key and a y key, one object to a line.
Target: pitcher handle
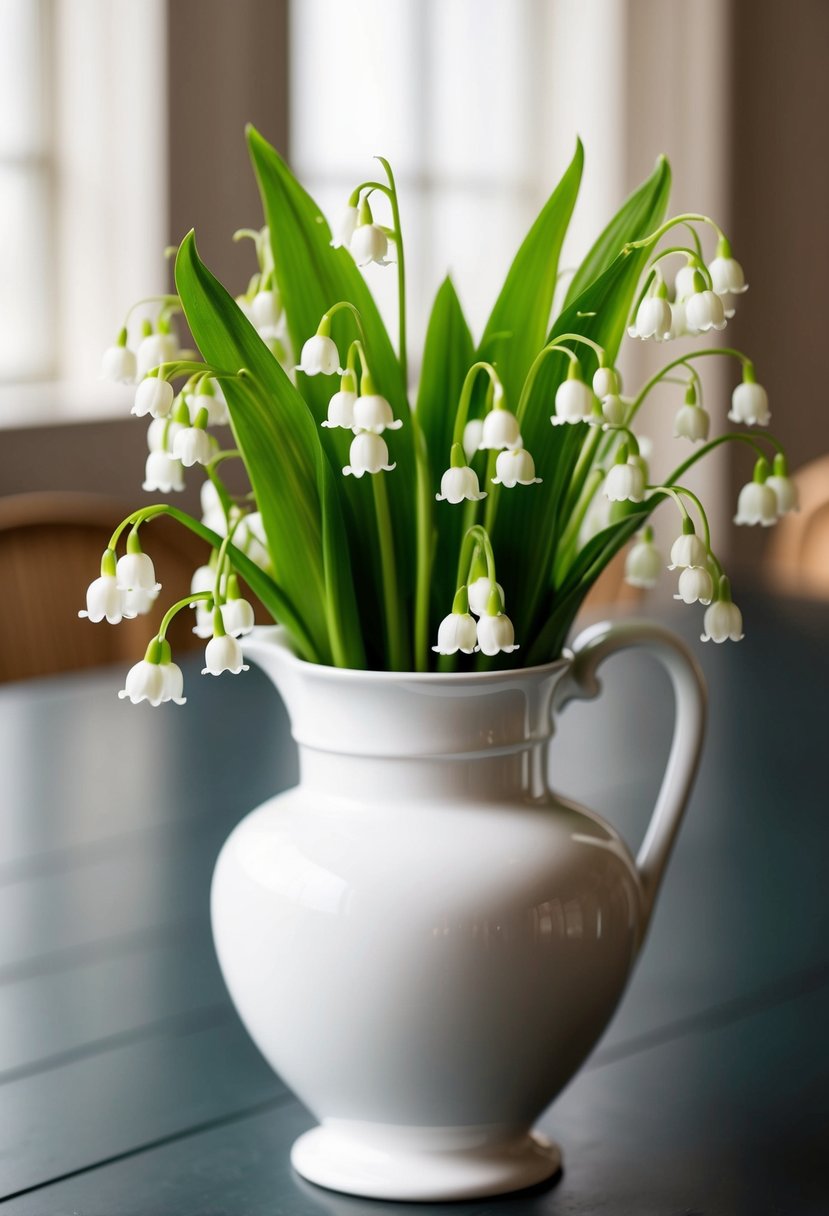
[{"x": 589, "y": 651}]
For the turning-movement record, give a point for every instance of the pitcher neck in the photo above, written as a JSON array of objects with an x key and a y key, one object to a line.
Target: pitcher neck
[{"x": 520, "y": 773}]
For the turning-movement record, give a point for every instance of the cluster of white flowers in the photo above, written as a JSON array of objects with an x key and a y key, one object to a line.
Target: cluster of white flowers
[
  {"x": 704, "y": 299},
  {"x": 366, "y": 241},
  {"x": 491, "y": 634}
]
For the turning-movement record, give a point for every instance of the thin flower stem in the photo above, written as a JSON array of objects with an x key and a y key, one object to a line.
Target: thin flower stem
[
  {"x": 685, "y": 218},
  {"x": 677, "y": 493},
  {"x": 570, "y": 535},
  {"x": 535, "y": 367},
  {"x": 135, "y": 519},
  {"x": 689, "y": 253},
  {"x": 730, "y": 437},
  {"x": 402, "y": 352},
  {"x": 177, "y": 607},
  {"x": 388, "y": 565},
  {"x": 728, "y": 351},
  {"x": 355, "y": 312},
  {"x": 462, "y": 411},
  {"x": 424, "y": 541}
]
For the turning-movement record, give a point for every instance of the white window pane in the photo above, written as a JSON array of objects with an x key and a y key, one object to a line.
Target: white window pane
[
  {"x": 354, "y": 84},
  {"x": 26, "y": 292},
  {"x": 22, "y": 101},
  {"x": 479, "y": 88}
]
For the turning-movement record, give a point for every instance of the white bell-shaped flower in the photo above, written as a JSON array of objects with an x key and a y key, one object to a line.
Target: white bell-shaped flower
[
  {"x": 214, "y": 406},
  {"x": 266, "y": 309},
  {"x": 703, "y": 311},
  {"x": 106, "y": 600},
  {"x": 727, "y": 277},
  {"x": 688, "y": 549},
  {"x": 192, "y": 445},
  {"x": 157, "y": 434},
  {"x": 162, "y": 472},
  {"x": 472, "y": 435},
  {"x": 784, "y": 488},
  {"x": 119, "y": 363},
  {"x": 369, "y": 244},
  {"x": 500, "y": 430},
  {"x": 144, "y": 682},
  {"x": 204, "y": 579},
  {"x": 251, "y": 539},
  {"x": 203, "y": 627},
  {"x": 574, "y": 401},
  {"x": 723, "y": 620},
  {"x": 750, "y": 403},
  {"x": 459, "y": 482},
  {"x": 757, "y": 504},
  {"x": 692, "y": 422},
  {"x": 154, "y": 350},
  {"x": 319, "y": 356},
  {"x": 684, "y": 285},
  {"x": 606, "y": 382},
  {"x": 373, "y": 413},
  {"x": 479, "y": 591},
  {"x": 625, "y": 480},
  {"x": 495, "y": 630},
  {"x": 135, "y": 572},
  {"x": 368, "y": 454},
  {"x": 458, "y": 630},
  {"x": 238, "y": 617},
  {"x": 223, "y": 653},
  {"x": 695, "y": 585},
  {"x": 515, "y": 467},
  {"x": 343, "y": 229},
  {"x": 679, "y": 327},
  {"x": 173, "y": 683},
  {"x": 614, "y": 411},
  {"x": 653, "y": 319},
  {"x": 153, "y": 396},
  {"x": 212, "y": 512},
  {"x": 643, "y": 564},
  {"x": 138, "y": 601},
  {"x": 341, "y": 410}
]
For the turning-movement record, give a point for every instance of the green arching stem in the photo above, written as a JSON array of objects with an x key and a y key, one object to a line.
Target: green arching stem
[
  {"x": 535, "y": 367},
  {"x": 325, "y": 319},
  {"x": 135, "y": 519},
  {"x": 402, "y": 352},
  {"x": 476, "y": 539},
  {"x": 388, "y": 568},
  {"x": 730, "y": 437},
  {"x": 600, "y": 351},
  {"x": 466, "y": 396},
  {"x": 686, "y": 218},
  {"x": 696, "y": 240},
  {"x": 167, "y": 301},
  {"x": 693, "y": 260},
  {"x": 676, "y": 493},
  {"x": 177, "y": 607},
  {"x": 222, "y": 561},
  {"x": 728, "y": 351}
]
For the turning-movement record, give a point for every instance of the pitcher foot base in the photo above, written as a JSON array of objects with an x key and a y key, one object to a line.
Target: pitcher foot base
[{"x": 389, "y": 1164}]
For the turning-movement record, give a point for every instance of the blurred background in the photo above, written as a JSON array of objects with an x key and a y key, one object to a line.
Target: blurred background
[{"x": 121, "y": 127}]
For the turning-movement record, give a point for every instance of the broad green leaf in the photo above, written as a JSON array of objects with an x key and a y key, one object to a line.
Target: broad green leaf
[
  {"x": 527, "y": 526},
  {"x": 633, "y": 215},
  {"x": 280, "y": 444},
  {"x": 447, "y": 356},
  {"x": 312, "y": 277},
  {"x": 522, "y": 310}
]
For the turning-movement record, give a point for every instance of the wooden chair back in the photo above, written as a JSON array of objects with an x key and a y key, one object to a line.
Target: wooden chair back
[{"x": 50, "y": 551}]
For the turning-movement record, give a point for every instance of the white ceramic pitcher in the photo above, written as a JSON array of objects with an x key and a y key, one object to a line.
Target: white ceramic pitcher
[{"x": 423, "y": 940}]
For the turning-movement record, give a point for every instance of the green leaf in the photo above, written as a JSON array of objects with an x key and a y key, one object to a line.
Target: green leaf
[
  {"x": 527, "y": 525},
  {"x": 635, "y": 215},
  {"x": 447, "y": 356},
  {"x": 280, "y": 445},
  {"x": 312, "y": 277},
  {"x": 523, "y": 307}
]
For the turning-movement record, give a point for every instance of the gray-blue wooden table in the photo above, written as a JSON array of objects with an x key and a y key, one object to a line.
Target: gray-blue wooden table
[{"x": 127, "y": 1084}]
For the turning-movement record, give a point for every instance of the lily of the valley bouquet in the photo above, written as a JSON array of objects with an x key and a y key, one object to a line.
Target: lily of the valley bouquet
[{"x": 463, "y": 527}]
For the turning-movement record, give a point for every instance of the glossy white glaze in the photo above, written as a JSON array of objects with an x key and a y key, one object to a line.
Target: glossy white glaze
[{"x": 423, "y": 940}]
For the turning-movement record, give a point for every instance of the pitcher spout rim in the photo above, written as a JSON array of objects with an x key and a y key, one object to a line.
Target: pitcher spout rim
[{"x": 270, "y": 638}]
